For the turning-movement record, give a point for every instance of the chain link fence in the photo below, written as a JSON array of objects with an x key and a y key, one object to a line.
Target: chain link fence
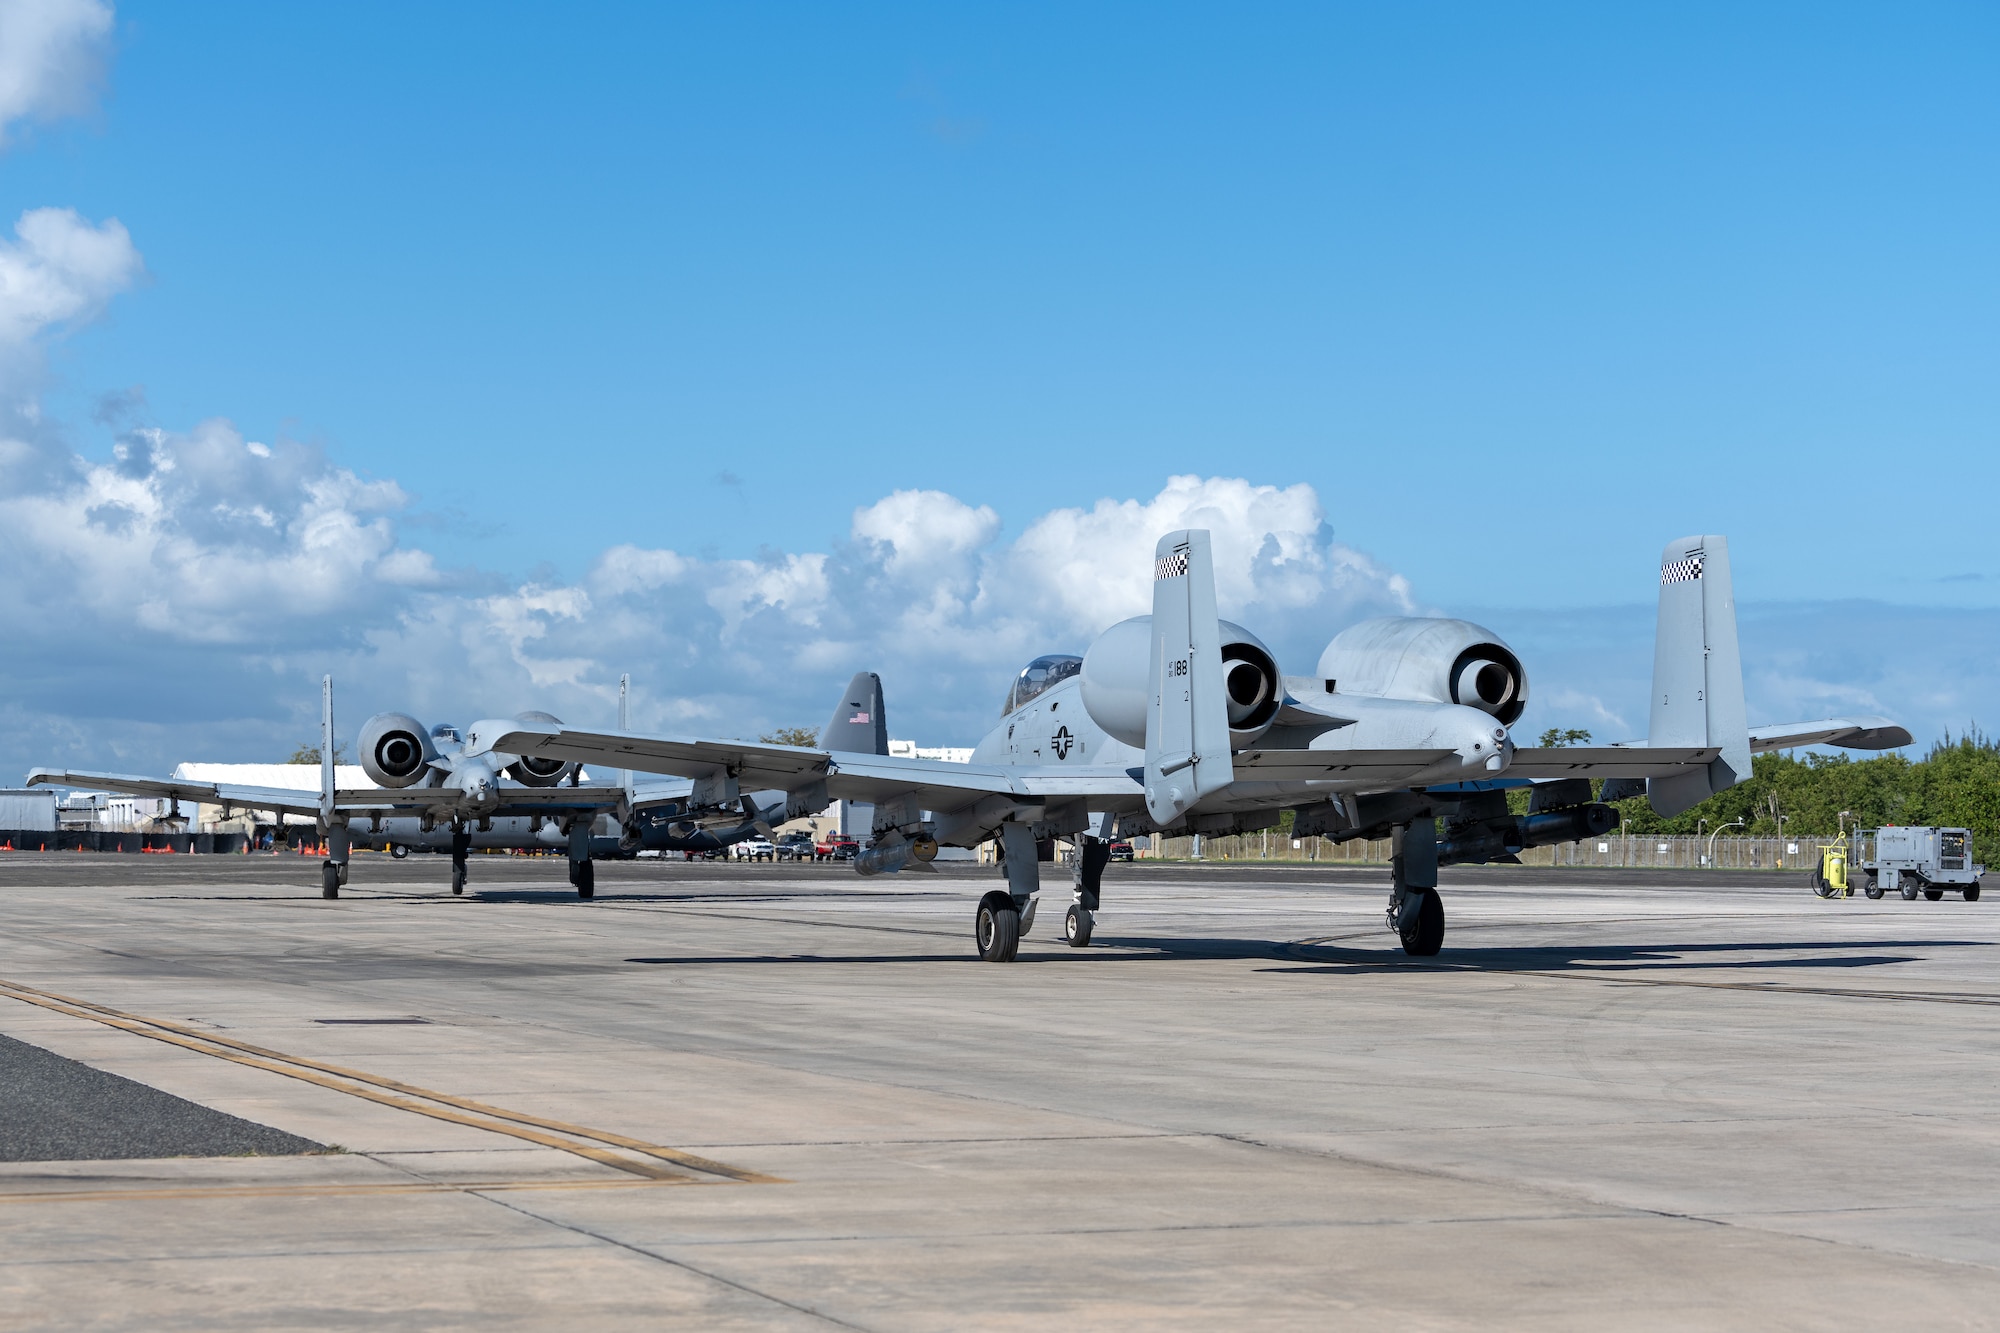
[{"x": 1677, "y": 851}]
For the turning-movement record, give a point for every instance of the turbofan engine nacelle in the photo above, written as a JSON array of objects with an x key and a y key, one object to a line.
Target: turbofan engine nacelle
[
  {"x": 1442, "y": 661},
  {"x": 396, "y": 751},
  {"x": 538, "y": 771},
  {"x": 1116, "y": 688}
]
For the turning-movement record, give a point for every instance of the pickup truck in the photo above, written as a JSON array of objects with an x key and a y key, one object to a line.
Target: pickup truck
[
  {"x": 835, "y": 847},
  {"x": 754, "y": 849},
  {"x": 797, "y": 847}
]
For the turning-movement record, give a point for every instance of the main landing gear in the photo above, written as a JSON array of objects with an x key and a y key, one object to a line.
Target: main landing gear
[
  {"x": 1005, "y": 916},
  {"x": 333, "y": 870},
  {"x": 1416, "y": 913}
]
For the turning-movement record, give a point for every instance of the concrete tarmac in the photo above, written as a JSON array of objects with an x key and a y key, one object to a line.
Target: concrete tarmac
[{"x": 785, "y": 1096}]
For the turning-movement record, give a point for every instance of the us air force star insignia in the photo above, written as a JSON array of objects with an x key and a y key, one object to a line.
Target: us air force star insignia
[{"x": 1061, "y": 741}]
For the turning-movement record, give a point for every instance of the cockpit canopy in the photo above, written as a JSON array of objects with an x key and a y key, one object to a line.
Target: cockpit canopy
[
  {"x": 445, "y": 731},
  {"x": 1039, "y": 675}
]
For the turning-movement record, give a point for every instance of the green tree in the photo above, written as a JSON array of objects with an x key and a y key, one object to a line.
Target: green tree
[
  {"x": 1556, "y": 739},
  {"x": 309, "y": 754},
  {"x": 803, "y": 737}
]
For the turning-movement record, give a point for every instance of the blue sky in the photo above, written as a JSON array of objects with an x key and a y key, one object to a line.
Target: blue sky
[{"x": 1519, "y": 295}]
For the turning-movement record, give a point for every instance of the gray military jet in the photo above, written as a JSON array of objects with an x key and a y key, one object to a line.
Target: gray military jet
[
  {"x": 1181, "y": 721},
  {"x": 437, "y": 791}
]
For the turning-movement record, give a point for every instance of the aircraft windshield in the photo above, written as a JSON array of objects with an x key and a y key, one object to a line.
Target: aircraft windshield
[{"x": 1039, "y": 675}]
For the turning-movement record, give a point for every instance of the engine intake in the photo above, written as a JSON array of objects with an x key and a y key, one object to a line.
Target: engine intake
[
  {"x": 395, "y": 749},
  {"x": 539, "y": 770},
  {"x": 1439, "y": 660},
  {"x": 1116, "y": 689}
]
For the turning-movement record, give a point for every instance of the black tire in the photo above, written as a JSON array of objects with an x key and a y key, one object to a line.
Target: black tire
[
  {"x": 1077, "y": 924},
  {"x": 1820, "y": 887},
  {"x": 398, "y": 850},
  {"x": 996, "y": 930},
  {"x": 1934, "y": 894},
  {"x": 1910, "y": 889},
  {"x": 1873, "y": 887},
  {"x": 1972, "y": 893},
  {"x": 458, "y": 877},
  {"x": 1425, "y": 936},
  {"x": 583, "y": 874},
  {"x": 329, "y": 880}
]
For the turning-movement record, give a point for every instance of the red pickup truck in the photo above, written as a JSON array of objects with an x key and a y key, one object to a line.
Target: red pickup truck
[{"x": 835, "y": 847}]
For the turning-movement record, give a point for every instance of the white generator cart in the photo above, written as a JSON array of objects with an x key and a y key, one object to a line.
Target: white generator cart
[{"x": 1912, "y": 860}]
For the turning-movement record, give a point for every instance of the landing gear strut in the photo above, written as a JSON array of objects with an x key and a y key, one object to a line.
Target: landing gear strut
[
  {"x": 461, "y": 843},
  {"x": 1416, "y": 913},
  {"x": 1091, "y": 858},
  {"x": 582, "y": 871}
]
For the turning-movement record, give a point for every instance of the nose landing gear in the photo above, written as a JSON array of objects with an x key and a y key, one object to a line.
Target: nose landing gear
[{"x": 1092, "y": 856}]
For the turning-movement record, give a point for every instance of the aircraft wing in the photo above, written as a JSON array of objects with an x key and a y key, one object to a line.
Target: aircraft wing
[
  {"x": 848, "y": 775},
  {"x": 1329, "y": 765},
  {"x": 1609, "y": 761},
  {"x": 511, "y": 800},
  {"x": 290, "y": 800},
  {"x": 1850, "y": 733},
  {"x": 753, "y": 765}
]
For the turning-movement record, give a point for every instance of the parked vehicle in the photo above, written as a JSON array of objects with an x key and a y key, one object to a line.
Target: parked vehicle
[
  {"x": 754, "y": 849},
  {"x": 796, "y": 847},
  {"x": 1913, "y": 860},
  {"x": 835, "y": 847},
  {"x": 1121, "y": 851}
]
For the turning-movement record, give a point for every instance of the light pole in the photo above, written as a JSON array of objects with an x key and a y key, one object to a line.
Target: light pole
[
  {"x": 1709, "y": 860},
  {"x": 1781, "y": 842}
]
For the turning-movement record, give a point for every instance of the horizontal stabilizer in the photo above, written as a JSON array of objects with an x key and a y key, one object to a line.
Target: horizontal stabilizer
[
  {"x": 1334, "y": 765},
  {"x": 1611, "y": 761},
  {"x": 1849, "y": 733}
]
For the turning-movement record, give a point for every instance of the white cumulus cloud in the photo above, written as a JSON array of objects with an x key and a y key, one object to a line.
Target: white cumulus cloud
[{"x": 52, "y": 58}]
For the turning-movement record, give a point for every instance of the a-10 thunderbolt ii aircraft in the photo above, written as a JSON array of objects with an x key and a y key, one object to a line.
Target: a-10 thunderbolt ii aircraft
[
  {"x": 1181, "y": 721},
  {"x": 434, "y": 793}
]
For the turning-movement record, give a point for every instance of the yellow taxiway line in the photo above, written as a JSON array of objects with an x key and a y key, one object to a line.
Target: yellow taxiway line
[{"x": 403, "y": 1096}]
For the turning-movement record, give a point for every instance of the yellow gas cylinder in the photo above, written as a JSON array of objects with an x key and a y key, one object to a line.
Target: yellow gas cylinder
[{"x": 1833, "y": 871}]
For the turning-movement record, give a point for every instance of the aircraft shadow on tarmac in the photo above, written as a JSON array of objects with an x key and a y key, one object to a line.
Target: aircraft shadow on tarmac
[
  {"x": 1332, "y": 959},
  {"x": 1629, "y": 958}
]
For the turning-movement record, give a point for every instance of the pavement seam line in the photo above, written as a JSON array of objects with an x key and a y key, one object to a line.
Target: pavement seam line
[
  {"x": 370, "y": 1087},
  {"x": 682, "y": 1264},
  {"x": 328, "y": 1190}
]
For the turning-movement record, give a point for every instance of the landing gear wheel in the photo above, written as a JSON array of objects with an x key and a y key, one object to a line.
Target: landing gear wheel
[
  {"x": 997, "y": 928},
  {"x": 1972, "y": 893},
  {"x": 583, "y": 874},
  {"x": 398, "y": 850},
  {"x": 1933, "y": 894},
  {"x": 1873, "y": 888},
  {"x": 458, "y": 877},
  {"x": 329, "y": 880},
  {"x": 1424, "y": 935},
  {"x": 1077, "y": 924}
]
